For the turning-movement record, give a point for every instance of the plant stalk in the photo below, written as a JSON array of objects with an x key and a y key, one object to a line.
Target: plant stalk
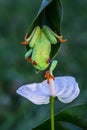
[{"x": 52, "y": 112}]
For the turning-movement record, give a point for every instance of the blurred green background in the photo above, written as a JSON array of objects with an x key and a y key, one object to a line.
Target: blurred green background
[{"x": 16, "y": 113}]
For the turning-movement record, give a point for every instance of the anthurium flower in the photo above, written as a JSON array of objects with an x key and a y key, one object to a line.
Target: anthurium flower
[{"x": 64, "y": 88}]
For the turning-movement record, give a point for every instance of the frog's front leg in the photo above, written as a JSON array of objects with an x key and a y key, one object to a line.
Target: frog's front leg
[
  {"x": 28, "y": 55},
  {"x": 49, "y": 74}
]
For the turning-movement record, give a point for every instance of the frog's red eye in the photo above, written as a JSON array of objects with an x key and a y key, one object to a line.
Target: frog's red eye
[
  {"x": 48, "y": 61},
  {"x": 34, "y": 63}
]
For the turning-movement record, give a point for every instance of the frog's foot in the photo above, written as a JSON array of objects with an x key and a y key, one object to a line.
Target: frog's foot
[
  {"x": 29, "y": 59},
  {"x": 25, "y": 42},
  {"x": 48, "y": 76},
  {"x": 60, "y": 39}
]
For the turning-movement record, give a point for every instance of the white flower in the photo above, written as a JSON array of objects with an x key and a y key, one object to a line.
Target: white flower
[{"x": 64, "y": 88}]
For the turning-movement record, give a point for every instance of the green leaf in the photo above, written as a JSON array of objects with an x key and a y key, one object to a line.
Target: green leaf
[
  {"x": 43, "y": 5},
  {"x": 74, "y": 117},
  {"x": 54, "y": 15},
  {"x": 40, "y": 17},
  {"x": 50, "y": 14}
]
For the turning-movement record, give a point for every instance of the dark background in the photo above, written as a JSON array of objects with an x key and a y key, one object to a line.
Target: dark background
[{"x": 16, "y": 113}]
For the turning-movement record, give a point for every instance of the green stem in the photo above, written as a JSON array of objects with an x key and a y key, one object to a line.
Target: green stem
[{"x": 52, "y": 112}]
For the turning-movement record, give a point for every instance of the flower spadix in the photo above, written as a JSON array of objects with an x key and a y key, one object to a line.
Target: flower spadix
[{"x": 64, "y": 88}]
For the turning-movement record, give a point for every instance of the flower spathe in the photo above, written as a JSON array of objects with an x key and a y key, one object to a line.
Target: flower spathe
[{"x": 64, "y": 88}]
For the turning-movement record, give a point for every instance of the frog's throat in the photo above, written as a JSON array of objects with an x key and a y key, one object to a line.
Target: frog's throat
[{"x": 35, "y": 64}]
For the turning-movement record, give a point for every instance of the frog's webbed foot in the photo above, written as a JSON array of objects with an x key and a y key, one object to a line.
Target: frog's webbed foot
[
  {"x": 60, "y": 39},
  {"x": 25, "y": 42},
  {"x": 48, "y": 76},
  {"x": 29, "y": 59}
]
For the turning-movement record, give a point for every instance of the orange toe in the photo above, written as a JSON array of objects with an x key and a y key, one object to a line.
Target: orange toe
[
  {"x": 25, "y": 42},
  {"x": 48, "y": 76},
  {"x": 29, "y": 59},
  {"x": 62, "y": 40}
]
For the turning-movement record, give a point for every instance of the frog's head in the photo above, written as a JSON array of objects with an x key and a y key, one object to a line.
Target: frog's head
[{"x": 41, "y": 65}]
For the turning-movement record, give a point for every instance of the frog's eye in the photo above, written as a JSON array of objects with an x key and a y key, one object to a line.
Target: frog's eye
[
  {"x": 48, "y": 61},
  {"x": 34, "y": 63}
]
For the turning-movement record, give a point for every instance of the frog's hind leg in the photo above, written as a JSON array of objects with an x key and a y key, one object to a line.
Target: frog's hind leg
[
  {"x": 35, "y": 35},
  {"x": 32, "y": 38},
  {"x": 52, "y": 36},
  {"x": 49, "y": 34},
  {"x": 28, "y": 55}
]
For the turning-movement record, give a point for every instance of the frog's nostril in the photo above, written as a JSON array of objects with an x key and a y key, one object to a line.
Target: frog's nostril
[{"x": 34, "y": 63}]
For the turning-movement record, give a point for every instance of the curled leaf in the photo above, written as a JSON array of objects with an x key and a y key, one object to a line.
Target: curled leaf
[{"x": 50, "y": 14}]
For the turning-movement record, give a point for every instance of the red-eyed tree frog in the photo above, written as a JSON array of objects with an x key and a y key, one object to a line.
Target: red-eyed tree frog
[{"x": 40, "y": 42}]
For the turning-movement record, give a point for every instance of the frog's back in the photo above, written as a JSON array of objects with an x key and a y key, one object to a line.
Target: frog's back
[{"x": 41, "y": 51}]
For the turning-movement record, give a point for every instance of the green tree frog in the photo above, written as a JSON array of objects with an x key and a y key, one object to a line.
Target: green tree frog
[{"x": 39, "y": 43}]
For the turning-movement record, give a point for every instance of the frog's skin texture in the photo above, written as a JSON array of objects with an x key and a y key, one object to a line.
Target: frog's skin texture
[{"x": 40, "y": 43}]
